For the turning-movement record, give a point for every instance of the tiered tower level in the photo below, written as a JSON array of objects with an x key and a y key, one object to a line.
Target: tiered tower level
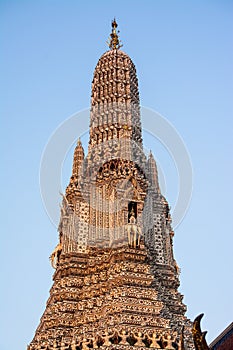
[{"x": 116, "y": 280}]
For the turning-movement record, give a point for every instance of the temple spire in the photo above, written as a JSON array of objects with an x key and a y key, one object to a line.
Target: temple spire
[
  {"x": 115, "y": 283},
  {"x": 153, "y": 173},
  {"x": 78, "y": 158},
  {"x": 113, "y": 42}
]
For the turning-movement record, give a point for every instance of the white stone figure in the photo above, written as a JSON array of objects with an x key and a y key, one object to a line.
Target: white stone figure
[
  {"x": 154, "y": 341},
  {"x": 139, "y": 337},
  {"x": 134, "y": 231}
]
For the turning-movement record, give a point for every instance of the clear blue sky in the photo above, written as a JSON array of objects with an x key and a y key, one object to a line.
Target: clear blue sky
[{"x": 183, "y": 55}]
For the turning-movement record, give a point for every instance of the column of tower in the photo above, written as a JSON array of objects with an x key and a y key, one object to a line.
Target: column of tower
[
  {"x": 115, "y": 151},
  {"x": 115, "y": 125}
]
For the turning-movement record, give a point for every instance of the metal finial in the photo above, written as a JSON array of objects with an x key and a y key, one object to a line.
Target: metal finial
[{"x": 113, "y": 41}]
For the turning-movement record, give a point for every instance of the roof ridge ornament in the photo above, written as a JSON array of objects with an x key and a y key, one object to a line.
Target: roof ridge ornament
[{"x": 113, "y": 41}]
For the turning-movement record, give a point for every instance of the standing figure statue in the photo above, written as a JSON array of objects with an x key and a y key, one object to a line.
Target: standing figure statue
[{"x": 134, "y": 231}]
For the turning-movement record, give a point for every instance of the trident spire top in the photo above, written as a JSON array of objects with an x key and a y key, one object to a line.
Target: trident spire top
[{"x": 113, "y": 41}]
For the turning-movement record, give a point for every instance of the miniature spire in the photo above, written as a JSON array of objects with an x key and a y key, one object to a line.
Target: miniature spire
[
  {"x": 153, "y": 173},
  {"x": 78, "y": 157},
  {"x": 113, "y": 42}
]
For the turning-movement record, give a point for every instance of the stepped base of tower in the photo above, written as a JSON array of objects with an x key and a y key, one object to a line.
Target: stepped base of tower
[{"x": 116, "y": 298}]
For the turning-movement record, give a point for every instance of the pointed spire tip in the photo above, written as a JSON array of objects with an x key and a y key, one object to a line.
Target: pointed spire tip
[{"x": 113, "y": 41}]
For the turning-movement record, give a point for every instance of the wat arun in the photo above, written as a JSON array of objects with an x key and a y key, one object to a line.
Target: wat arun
[{"x": 115, "y": 284}]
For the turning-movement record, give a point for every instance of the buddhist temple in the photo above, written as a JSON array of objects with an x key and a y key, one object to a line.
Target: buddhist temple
[{"x": 116, "y": 280}]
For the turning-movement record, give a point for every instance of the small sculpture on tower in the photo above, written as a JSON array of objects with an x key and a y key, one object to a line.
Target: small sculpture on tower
[
  {"x": 106, "y": 338},
  {"x": 134, "y": 231},
  {"x": 154, "y": 341},
  {"x": 123, "y": 335},
  {"x": 169, "y": 342},
  {"x": 139, "y": 337}
]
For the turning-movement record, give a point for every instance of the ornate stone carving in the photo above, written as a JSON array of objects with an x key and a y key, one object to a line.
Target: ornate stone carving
[{"x": 116, "y": 280}]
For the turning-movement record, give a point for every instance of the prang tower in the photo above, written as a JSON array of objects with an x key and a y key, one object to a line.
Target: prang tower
[{"x": 116, "y": 280}]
